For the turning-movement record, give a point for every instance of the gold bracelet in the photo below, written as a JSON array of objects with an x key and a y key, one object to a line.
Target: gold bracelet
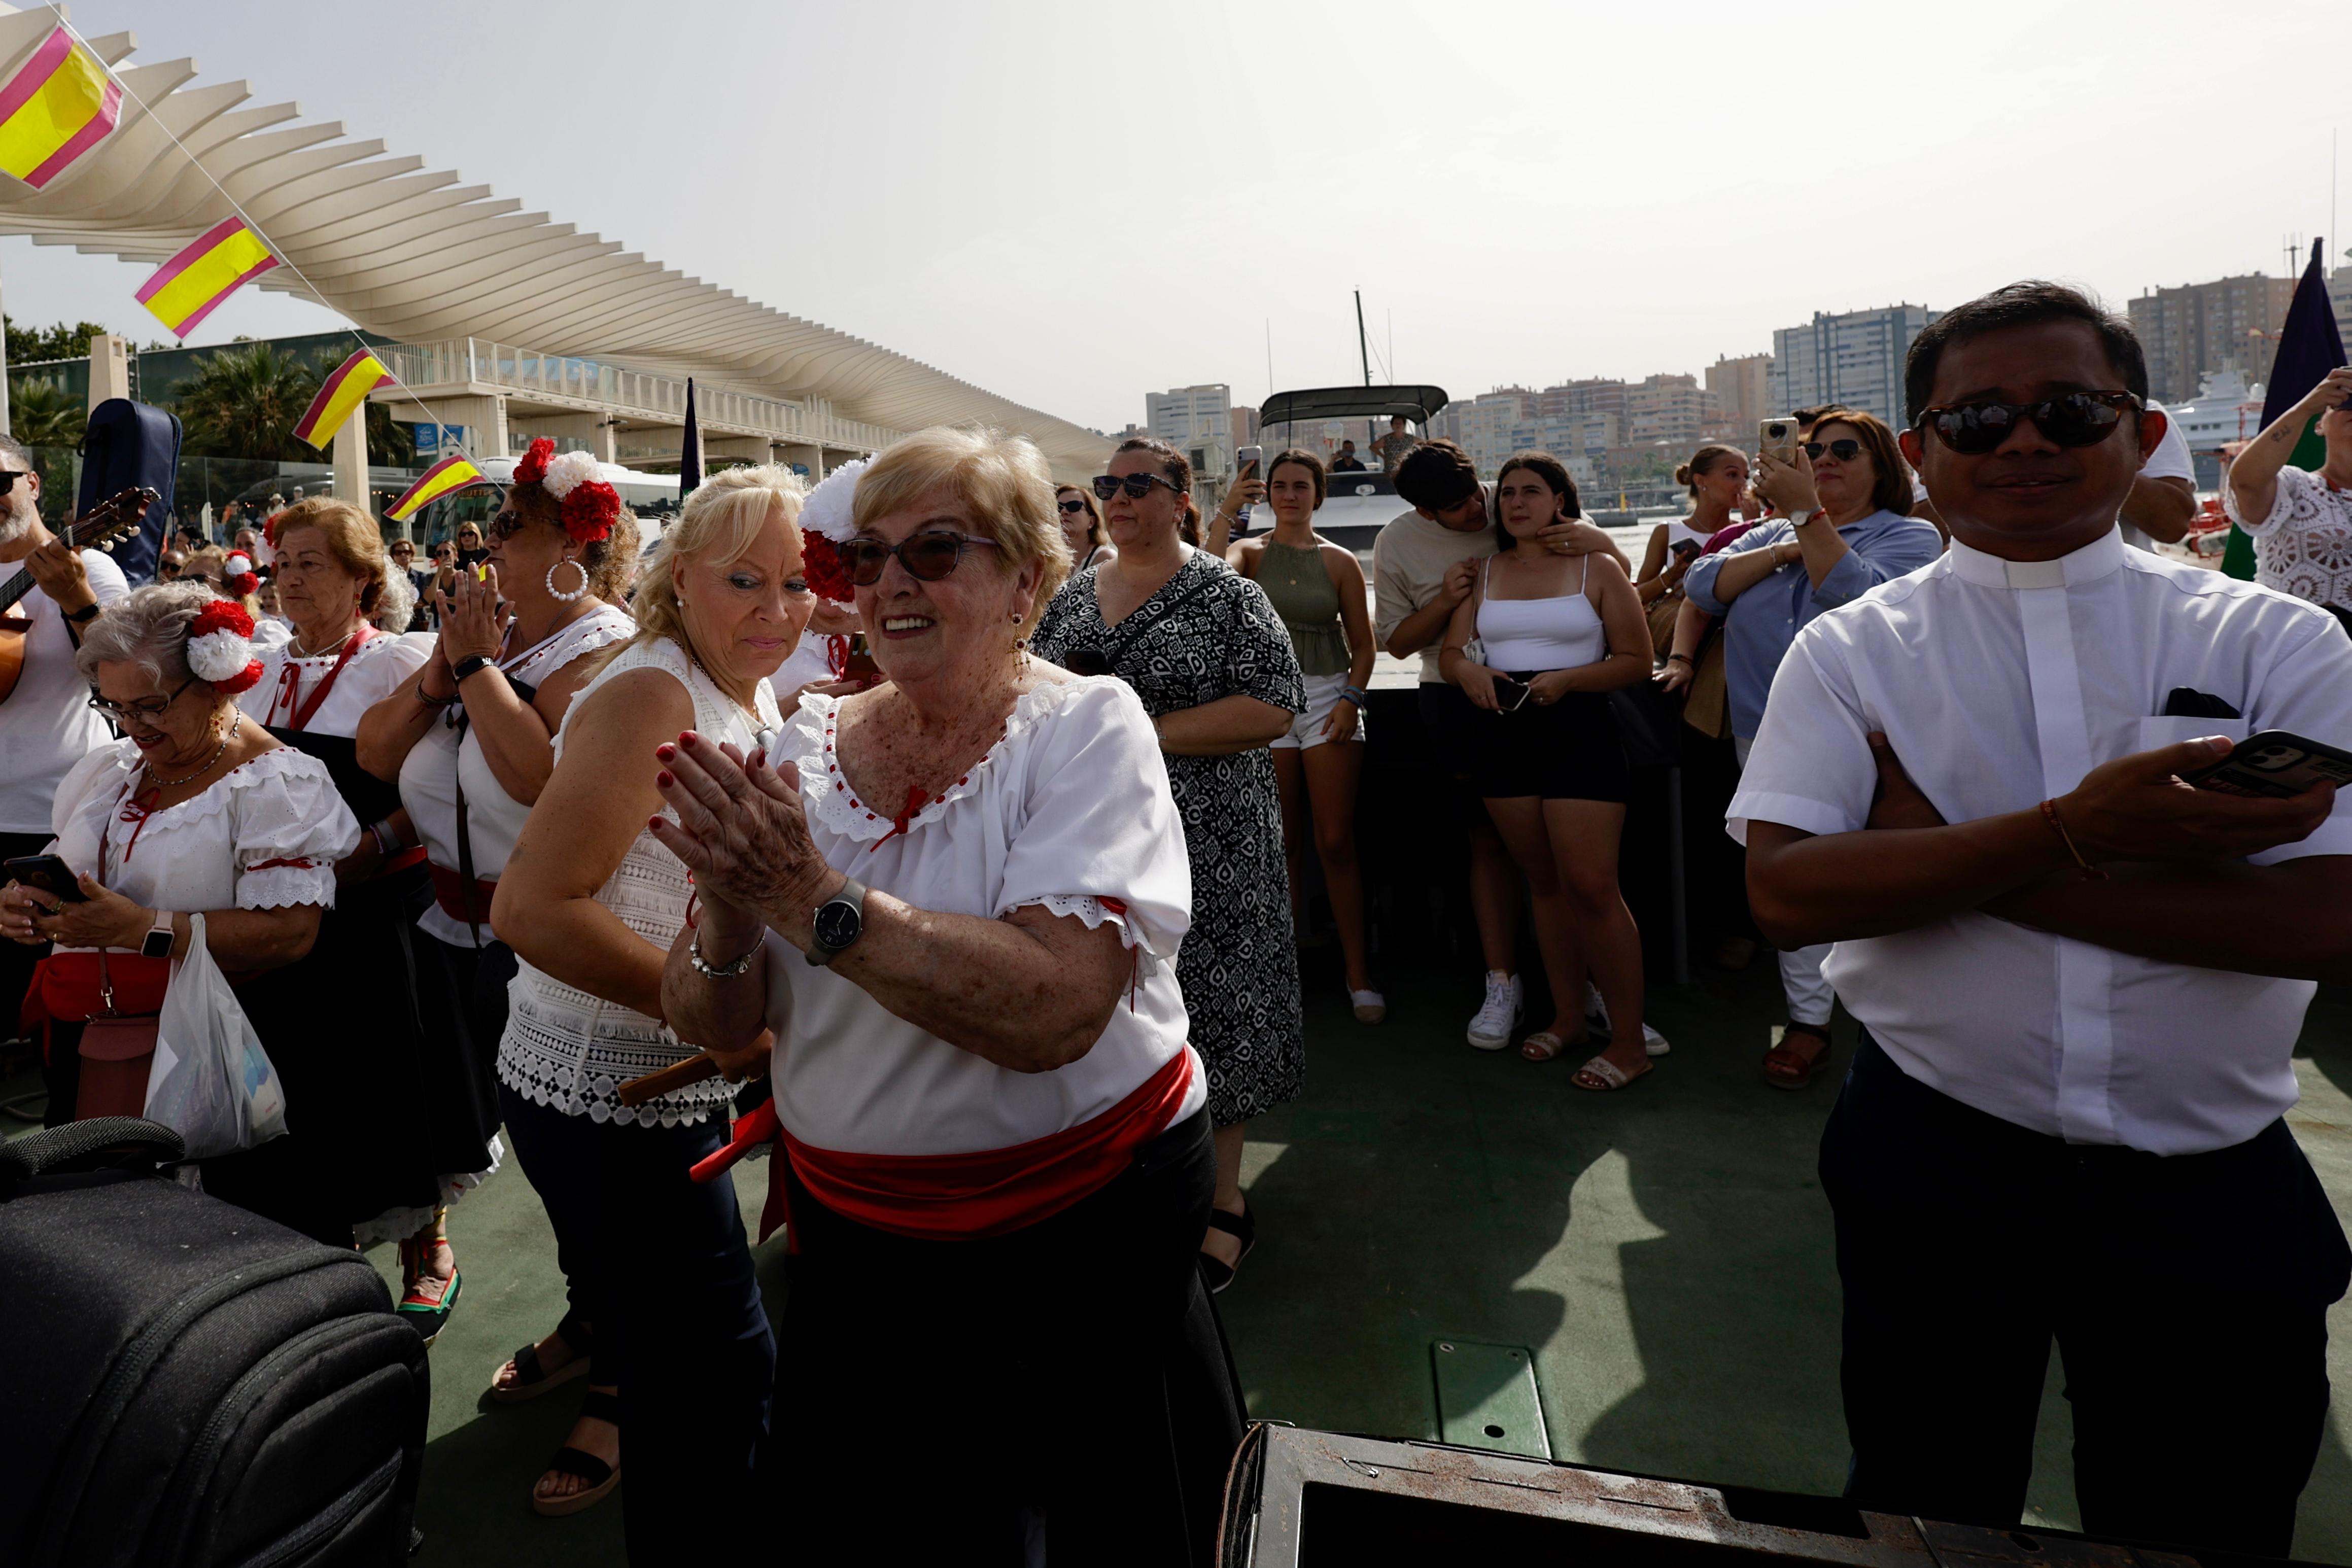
[{"x": 2058, "y": 826}]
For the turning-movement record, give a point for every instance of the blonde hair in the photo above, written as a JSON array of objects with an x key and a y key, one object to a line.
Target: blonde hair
[
  {"x": 357, "y": 544},
  {"x": 720, "y": 521},
  {"x": 216, "y": 557},
  {"x": 1003, "y": 480}
]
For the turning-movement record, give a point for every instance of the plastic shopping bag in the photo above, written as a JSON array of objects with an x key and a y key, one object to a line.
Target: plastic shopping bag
[{"x": 211, "y": 1083}]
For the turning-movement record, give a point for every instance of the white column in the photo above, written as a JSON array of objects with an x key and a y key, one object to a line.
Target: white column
[
  {"x": 110, "y": 368},
  {"x": 352, "y": 464}
]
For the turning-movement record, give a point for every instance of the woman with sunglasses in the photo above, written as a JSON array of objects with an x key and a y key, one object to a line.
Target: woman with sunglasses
[
  {"x": 1082, "y": 527},
  {"x": 1846, "y": 527},
  {"x": 957, "y": 900},
  {"x": 1204, "y": 649},
  {"x": 1318, "y": 589},
  {"x": 659, "y": 1271}
]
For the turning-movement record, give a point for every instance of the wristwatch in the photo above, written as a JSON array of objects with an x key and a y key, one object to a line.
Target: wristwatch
[
  {"x": 1799, "y": 519},
  {"x": 157, "y": 942},
  {"x": 472, "y": 663},
  {"x": 840, "y": 921},
  {"x": 83, "y": 616}
]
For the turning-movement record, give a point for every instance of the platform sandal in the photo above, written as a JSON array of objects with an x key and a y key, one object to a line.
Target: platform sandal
[
  {"x": 1787, "y": 1069},
  {"x": 427, "y": 1302},
  {"x": 1242, "y": 1227},
  {"x": 600, "y": 1476},
  {"x": 532, "y": 1379}
]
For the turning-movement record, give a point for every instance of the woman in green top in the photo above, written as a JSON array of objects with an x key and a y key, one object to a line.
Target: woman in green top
[{"x": 1318, "y": 589}]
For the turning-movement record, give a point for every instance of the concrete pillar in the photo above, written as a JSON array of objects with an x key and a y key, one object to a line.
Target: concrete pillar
[
  {"x": 352, "y": 464},
  {"x": 110, "y": 368},
  {"x": 592, "y": 432},
  {"x": 484, "y": 419},
  {"x": 753, "y": 448},
  {"x": 809, "y": 457}
]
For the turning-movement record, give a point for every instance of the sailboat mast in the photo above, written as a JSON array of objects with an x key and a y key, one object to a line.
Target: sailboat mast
[{"x": 1371, "y": 427}]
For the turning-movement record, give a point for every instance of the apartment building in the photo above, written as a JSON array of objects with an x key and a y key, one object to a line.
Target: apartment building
[
  {"x": 1740, "y": 387},
  {"x": 2200, "y": 329},
  {"x": 1853, "y": 359}
]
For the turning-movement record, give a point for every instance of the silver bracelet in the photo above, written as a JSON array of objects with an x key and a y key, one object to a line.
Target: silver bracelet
[{"x": 721, "y": 971}]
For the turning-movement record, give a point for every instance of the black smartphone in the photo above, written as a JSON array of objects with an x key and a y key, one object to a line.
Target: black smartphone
[
  {"x": 2272, "y": 766},
  {"x": 49, "y": 873},
  {"x": 1510, "y": 693},
  {"x": 1683, "y": 549}
]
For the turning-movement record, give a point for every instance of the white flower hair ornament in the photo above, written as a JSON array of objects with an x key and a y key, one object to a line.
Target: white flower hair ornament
[
  {"x": 220, "y": 647},
  {"x": 827, "y": 521},
  {"x": 239, "y": 576},
  {"x": 567, "y": 471}
]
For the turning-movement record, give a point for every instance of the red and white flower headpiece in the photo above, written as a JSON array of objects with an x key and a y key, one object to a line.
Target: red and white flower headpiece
[
  {"x": 220, "y": 647},
  {"x": 240, "y": 575},
  {"x": 589, "y": 506},
  {"x": 828, "y": 522}
]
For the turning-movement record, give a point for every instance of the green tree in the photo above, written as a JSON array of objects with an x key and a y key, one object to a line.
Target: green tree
[
  {"x": 27, "y": 344},
  {"x": 43, "y": 413},
  {"x": 390, "y": 442},
  {"x": 243, "y": 402}
]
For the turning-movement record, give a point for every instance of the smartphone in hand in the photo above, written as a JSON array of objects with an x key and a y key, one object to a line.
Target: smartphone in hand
[
  {"x": 47, "y": 872},
  {"x": 1510, "y": 693},
  {"x": 2272, "y": 766},
  {"x": 1777, "y": 439}
]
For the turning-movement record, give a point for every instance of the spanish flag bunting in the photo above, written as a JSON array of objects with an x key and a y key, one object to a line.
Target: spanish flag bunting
[
  {"x": 192, "y": 284},
  {"x": 58, "y": 106},
  {"x": 445, "y": 477},
  {"x": 339, "y": 395}
]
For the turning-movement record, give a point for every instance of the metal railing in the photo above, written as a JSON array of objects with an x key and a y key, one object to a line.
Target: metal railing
[{"x": 641, "y": 394}]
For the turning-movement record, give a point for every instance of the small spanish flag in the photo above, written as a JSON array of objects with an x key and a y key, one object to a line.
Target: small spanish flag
[
  {"x": 445, "y": 477},
  {"x": 339, "y": 394},
  {"x": 58, "y": 106},
  {"x": 192, "y": 284}
]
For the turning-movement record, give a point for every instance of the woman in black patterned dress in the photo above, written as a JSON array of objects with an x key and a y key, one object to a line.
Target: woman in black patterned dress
[{"x": 1206, "y": 653}]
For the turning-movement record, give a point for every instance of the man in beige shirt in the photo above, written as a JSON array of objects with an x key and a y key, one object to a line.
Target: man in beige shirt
[{"x": 1424, "y": 562}]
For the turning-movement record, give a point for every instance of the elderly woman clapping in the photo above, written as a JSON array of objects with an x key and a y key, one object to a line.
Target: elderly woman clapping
[
  {"x": 196, "y": 810},
  {"x": 997, "y": 1157}
]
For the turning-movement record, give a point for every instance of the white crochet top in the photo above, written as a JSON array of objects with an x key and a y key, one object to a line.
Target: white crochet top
[{"x": 571, "y": 1050}]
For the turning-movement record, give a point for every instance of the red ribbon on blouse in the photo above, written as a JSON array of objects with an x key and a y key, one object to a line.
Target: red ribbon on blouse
[{"x": 961, "y": 1197}]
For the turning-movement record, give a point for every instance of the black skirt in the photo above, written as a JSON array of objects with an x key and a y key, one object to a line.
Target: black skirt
[
  {"x": 461, "y": 999},
  {"x": 1565, "y": 750}
]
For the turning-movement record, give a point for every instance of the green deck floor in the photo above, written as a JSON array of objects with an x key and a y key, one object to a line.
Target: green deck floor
[{"x": 1665, "y": 1253}]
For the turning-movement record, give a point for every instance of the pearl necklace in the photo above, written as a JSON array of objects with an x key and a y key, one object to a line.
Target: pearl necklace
[{"x": 235, "y": 729}]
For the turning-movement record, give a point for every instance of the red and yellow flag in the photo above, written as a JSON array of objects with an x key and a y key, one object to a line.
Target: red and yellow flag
[
  {"x": 445, "y": 477},
  {"x": 58, "y": 106},
  {"x": 192, "y": 284},
  {"x": 339, "y": 394}
]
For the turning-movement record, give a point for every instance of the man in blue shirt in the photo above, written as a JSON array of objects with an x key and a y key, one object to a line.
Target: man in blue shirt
[{"x": 1846, "y": 529}]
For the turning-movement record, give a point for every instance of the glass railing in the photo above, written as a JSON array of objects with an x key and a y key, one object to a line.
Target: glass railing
[{"x": 215, "y": 495}]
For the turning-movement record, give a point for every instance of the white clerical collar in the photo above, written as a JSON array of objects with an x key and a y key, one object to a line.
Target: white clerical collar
[{"x": 2102, "y": 557}]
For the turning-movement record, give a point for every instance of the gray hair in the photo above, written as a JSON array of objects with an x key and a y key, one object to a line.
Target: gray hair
[
  {"x": 147, "y": 627},
  {"x": 395, "y": 602}
]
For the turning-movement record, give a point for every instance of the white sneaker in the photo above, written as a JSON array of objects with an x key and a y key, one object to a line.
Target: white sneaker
[
  {"x": 1491, "y": 1030},
  {"x": 1596, "y": 1019},
  {"x": 1371, "y": 1005}
]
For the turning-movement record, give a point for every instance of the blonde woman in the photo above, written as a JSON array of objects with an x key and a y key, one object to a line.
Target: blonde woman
[{"x": 590, "y": 901}]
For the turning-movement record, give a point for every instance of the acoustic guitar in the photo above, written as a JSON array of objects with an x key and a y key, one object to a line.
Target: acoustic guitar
[{"x": 101, "y": 525}]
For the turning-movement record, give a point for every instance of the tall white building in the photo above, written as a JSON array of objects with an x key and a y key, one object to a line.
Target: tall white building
[
  {"x": 1197, "y": 422},
  {"x": 1854, "y": 360}
]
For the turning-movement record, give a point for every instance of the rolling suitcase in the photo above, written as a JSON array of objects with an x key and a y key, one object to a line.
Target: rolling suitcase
[{"x": 182, "y": 1381}]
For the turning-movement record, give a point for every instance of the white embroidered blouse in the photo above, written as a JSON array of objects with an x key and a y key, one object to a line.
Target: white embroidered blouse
[
  {"x": 572, "y": 1050},
  {"x": 265, "y": 835},
  {"x": 1071, "y": 811},
  {"x": 378, "y": 667}
]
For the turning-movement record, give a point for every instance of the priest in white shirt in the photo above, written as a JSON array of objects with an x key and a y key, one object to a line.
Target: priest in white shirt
[{"x": 2081, "y": 996}]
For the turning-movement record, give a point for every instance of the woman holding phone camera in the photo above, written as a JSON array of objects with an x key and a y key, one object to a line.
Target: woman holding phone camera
[
  {"x": 1205, "y": 651},
  {"x": 1559, "y": 634},
  {"x": 1318, "y": 589},
  {"x": 1716, "y": 478}
]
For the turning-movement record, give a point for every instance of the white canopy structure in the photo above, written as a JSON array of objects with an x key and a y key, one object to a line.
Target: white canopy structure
[{"x": 419, "y": 257}]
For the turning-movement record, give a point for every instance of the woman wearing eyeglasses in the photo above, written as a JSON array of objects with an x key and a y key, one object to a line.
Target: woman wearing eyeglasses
[
  {"x": 1082, "y": 529},
  {"x": 956, "y": 899},
  {"x": 659, "y": 1271},
  {"x": 1204, "y": 649},
  {"x": 1847, "y": 527}
]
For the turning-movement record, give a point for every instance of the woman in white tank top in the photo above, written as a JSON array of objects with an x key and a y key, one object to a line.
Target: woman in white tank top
[{"x": 1558, "y": 634}]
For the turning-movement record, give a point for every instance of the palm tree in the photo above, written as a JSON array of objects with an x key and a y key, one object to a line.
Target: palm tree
[
  {"x": 389, "y": 441},
  {"x": 43, "y": 413},
  {"x": 243, "y": 402}
]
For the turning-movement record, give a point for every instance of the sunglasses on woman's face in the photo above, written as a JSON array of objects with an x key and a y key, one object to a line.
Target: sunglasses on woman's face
[
  {"x": 927, "y": 555},
  {"x": 1844, "y": 451},
  {"x": 1073, "y": 506},
  {"x": 2078, "y": 418},
  {"x": 1137, "y": 486}
]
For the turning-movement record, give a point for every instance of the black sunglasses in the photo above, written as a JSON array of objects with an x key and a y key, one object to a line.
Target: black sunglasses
[
  {"x": 928, "y": 557},
  {"x": 1843, "y": 450},
  {"x": 1074, "y": 506},
  {"x": 11, "y": 475},
  {"x": 2078, "y": 418},
  {"x": 1137, "y": 486}
]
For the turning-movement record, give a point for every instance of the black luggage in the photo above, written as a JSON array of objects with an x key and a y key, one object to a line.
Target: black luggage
[
  {"x": 129, "y": 443},
  {"x": 182, "y": 1381}
]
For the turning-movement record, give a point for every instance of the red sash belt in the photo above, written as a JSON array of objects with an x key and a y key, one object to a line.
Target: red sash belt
[
  {"x": 958, "y": 1197},
  {"x": 450, "y": 892}
]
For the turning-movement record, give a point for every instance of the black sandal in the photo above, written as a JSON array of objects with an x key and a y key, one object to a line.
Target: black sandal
[
  {"x": 1243, "y": 1227},
  {"x": 532, "y": 1379},
  {"x": 600, "y": 1476}
]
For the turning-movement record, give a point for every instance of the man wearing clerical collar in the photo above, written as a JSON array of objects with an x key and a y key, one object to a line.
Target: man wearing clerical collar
[{"x": 2080, "y": 979}]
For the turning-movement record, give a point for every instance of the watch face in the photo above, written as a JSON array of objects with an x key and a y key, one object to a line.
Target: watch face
[{"x": 838, "y": 925}]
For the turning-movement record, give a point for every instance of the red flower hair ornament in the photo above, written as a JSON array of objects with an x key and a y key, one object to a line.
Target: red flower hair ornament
[
  {"x": 220, "y": 647},
  {"x": 587, "y": 506},
  {"x": 827, "y": 525}
]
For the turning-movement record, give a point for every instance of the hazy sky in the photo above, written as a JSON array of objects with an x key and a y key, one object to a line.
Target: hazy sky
[{"x": 1072, "y": 204}]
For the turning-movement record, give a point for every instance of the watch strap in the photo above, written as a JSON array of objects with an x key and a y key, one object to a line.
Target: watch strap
[
  {"x": 472, "y": 663},
  {"x": 157, "y": 942}
]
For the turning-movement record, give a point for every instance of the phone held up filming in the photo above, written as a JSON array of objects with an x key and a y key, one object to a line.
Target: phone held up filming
[{"x": 1777, "y": 439}]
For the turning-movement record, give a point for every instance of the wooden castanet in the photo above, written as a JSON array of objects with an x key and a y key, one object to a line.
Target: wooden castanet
[{"x": 677, "y": 1075}]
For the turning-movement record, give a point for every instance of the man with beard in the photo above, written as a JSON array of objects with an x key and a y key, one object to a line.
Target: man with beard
[
  {"x": 2080, "y": 979},
  {"x": 46, "y": 724}
]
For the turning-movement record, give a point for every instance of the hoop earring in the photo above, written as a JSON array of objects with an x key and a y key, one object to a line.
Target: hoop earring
[{"x": 579, "y": 592}]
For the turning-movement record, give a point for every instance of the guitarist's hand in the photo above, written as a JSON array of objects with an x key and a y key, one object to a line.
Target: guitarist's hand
[{"x": 59, "y": 573}]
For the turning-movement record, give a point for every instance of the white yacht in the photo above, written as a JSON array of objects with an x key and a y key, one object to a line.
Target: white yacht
[{"x": 2225, "y": 409}]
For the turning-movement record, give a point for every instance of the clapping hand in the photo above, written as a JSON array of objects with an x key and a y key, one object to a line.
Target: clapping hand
[
  {"x": 473, "y": 622},
  {"x": 742, "y": 831}
]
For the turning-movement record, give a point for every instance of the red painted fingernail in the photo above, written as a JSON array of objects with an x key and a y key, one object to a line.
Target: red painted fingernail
[
  {"x": 687, "y": 739},
  {"x": 664, "y": 778},
  {"x": 665, "y": 752},
  {"x": 653, "y": 822}
]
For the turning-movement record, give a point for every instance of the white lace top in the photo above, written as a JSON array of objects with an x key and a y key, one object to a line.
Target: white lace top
[
  {"x": 436, "y": 765},
  {"x": 265, "y": 835},
  {"x": 1071, "y": 811},
  {"x": 2304, "y": 546},
  {"x": 571, "y": 1050}
]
